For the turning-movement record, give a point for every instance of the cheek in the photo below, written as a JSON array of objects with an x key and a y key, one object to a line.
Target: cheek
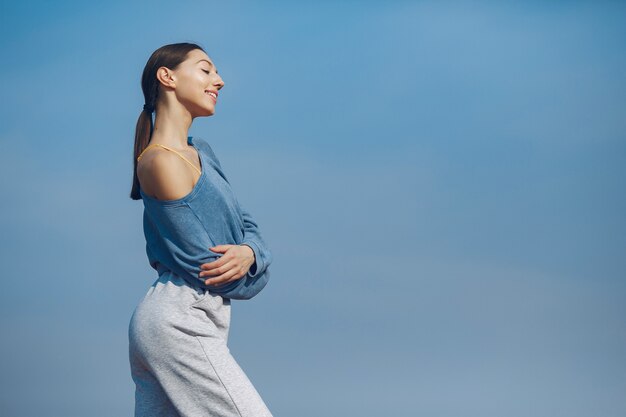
[
  {"x": 191, "y": 79},
  {"x": 192, "y": 86}
]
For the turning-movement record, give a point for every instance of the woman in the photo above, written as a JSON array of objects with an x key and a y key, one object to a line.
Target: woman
[{"x": 205, "y": 247}]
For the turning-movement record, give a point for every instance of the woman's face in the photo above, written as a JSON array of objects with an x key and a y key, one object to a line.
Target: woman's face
[{"x": 197, "y": 83}]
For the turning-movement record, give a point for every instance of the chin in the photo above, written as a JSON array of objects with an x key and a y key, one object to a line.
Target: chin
[{"x": 206, "y": 113}]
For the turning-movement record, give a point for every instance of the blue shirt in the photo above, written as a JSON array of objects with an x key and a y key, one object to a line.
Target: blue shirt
[{"x": 180, "y": 232}]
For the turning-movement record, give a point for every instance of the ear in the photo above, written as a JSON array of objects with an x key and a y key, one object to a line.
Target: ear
[{"x": 166, "y": 77}]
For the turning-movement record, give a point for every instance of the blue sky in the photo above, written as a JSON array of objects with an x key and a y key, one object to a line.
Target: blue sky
[{"x": 442, "y": 185}]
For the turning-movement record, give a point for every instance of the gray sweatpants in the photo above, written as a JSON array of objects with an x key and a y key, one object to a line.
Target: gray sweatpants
[{"x": 179, "y": 358}]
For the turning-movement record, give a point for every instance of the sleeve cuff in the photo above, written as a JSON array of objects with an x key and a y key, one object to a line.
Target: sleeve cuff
[{"x": 257, "y": 266}]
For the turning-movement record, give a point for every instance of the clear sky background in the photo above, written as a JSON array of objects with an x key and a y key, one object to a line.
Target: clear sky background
[{"x": 443, "y": 186}]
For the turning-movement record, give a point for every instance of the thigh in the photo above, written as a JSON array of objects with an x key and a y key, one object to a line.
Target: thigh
[
  {"x": 150, "y": 398},
  {"x": 234, "y": 382}
]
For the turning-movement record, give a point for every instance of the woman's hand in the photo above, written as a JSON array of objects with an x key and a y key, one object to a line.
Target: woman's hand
[{"x": 231, "y": 266}]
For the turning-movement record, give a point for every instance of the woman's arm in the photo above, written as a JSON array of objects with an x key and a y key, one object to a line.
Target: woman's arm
[
  {"x": 182, "y": 244},
  {"x": 252, "y": 237},
  {"x": 252, "y": 256}
]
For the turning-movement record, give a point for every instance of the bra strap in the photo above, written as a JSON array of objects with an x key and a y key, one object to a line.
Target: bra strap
[{"x": 170, "y": 149}]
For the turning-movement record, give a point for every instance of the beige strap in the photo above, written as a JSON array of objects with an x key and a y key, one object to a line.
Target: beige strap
[{"x": 170, "y": 149}]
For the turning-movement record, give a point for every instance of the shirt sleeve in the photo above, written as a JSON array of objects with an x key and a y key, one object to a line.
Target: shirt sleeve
[
  {"x": 252, "y": 237},
  {"x": 251, "y": 234},
  {"x": 187, "y": 244}
]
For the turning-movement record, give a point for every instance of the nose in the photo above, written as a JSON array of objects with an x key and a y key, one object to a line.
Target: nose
[{"x": 219, "y": 82}]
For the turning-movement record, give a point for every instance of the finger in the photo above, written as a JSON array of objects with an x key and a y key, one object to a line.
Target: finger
[
  {"x": 224, "y": 278},
  {"x": 220, "y": 248},
  {"x": 226, "y": 265},
  {"x": 221, "y": 281},
  {"x": 212, "y": 264},
  {"x": 219, "y": 270},
  {"x": 224, "y": 283},
  {"x": 216, "y": 263}
]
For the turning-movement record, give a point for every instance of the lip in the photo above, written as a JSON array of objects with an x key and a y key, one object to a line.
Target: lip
[{"x": 212, "y": 91}]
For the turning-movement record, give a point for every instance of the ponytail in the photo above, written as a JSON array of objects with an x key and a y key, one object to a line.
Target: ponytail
[
  {"x": 143, "y": 133},
  {"x": 169, "y": 56}
]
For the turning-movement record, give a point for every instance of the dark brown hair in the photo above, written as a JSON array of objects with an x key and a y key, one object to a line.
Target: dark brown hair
[{"x": 169, "y": 56}]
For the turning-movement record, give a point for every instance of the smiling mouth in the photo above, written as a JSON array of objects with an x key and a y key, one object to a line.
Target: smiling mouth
[{"x": 212, "y": 94}]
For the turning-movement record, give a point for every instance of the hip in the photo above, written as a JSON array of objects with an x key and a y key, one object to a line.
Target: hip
[{"x": 171, "y": 305}]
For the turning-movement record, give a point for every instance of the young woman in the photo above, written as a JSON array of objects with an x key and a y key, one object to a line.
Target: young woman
[{"x": 206, "y": 248}]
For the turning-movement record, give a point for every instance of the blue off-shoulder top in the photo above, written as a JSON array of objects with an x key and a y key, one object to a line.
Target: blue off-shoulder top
[{"x": 180, "y": 232}]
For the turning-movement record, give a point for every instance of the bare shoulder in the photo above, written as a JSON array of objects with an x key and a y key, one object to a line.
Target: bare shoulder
[{"x": 162, "y": 175}]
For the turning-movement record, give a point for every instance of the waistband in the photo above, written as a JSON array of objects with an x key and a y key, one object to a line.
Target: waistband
[{"x": 164, "y": 270}]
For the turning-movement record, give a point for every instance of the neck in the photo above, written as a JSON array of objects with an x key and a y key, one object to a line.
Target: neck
[{"x": 171, "y": 126}]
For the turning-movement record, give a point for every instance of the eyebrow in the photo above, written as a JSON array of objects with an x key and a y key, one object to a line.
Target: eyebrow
[
  {"x": 210, "y": 63},
  {"x": 206, "y": 61}
]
